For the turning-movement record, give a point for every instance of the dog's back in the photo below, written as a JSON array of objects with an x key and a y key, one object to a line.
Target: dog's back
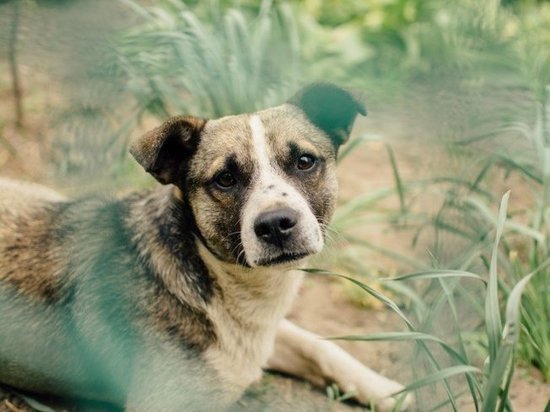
[
  {"x": 30, "y": 259},
  {"x": 74, "y": 296},
  {"x": 31, "y": 273},
  {"x": 43, "y": 337}
]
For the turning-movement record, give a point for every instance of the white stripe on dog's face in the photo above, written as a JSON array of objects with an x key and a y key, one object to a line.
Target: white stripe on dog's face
[
  {"x": 259, "y": 144},
  {"x": 271, "y": 191}
]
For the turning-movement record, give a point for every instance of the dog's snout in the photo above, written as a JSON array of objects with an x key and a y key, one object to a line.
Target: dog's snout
[{"x": 276, "y": 226}]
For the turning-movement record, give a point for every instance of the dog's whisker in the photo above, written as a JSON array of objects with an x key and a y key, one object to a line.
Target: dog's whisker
[{"x": 241, "y": 255}]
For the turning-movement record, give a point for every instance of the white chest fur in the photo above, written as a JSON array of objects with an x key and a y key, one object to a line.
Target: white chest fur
[{"x": 246, "y": 317}]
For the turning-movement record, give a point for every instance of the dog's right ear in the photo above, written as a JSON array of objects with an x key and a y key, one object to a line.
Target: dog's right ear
[
  {"x": 330, "y": 108},
  {"x": 163, "y": 151}
]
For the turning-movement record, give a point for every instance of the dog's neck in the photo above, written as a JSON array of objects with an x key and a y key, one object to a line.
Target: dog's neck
[
  {"x": 253, "y": 293},
  {"x": 248, "y": 308}
]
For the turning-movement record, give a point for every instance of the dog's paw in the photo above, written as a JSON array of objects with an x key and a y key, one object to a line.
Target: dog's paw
[
  {"x": 381, "y": 399},
  {"x": 399, "y": 403}
]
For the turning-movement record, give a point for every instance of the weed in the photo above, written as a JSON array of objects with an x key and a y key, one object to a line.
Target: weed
[
  {"x": 223, "y": 64},
  {"x": 488, "y": 387}
]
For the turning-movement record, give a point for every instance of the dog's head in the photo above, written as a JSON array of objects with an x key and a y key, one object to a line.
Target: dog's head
[{"x": 261, "y": 186}]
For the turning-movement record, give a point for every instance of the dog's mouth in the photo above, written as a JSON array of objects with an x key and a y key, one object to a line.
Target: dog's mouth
[{"x": 284, "y": 257}]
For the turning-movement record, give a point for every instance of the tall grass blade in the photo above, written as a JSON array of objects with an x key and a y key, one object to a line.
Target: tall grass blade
[
  {"x": 439, "y": 376},
  {"x": 502, "y": 369},
  {"x": 418, "y": 304},
  {"x": 137, "y": 8},
  {"x": 402, "y": 337},
  {"x": 509, "y": 225},
  {"x": 492, "y": 310},
  {"x": 397, "y": 178},
  {"x": 449, "y": 293},
  {"x": 381, "y": 297},
  {"x": 436, "y": 274}
]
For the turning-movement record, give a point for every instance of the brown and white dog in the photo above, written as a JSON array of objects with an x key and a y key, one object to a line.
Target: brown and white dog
[{"x": 174, "y": 299}]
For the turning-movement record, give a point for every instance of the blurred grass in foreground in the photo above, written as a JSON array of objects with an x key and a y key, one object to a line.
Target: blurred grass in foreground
[{"x": 487, "y": 387}]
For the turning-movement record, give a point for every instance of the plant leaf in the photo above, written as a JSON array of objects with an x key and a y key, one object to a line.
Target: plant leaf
[
  {"x": 492, "y": 310},
  {"x": 438, "y": 376}
]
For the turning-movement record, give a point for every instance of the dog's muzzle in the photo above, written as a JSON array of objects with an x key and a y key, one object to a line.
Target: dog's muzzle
[{"x": 279, "y": 233}]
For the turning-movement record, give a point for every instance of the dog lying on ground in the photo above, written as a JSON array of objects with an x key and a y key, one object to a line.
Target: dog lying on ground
[{"x": 174, "y": 299}]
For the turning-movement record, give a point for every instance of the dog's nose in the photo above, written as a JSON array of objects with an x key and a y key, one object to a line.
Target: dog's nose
[{"x": 276, "y": 226}]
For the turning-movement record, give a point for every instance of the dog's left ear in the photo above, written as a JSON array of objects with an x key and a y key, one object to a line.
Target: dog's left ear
[
  {"x": 330, "y": 108},
  {"x": 164, "y": 150}
]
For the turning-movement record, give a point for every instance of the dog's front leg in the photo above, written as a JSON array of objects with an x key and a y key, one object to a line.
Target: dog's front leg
[{"x": 303, "y": 354}]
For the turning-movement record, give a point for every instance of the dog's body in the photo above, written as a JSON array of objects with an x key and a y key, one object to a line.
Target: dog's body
[{"x": 174, "y": 299}]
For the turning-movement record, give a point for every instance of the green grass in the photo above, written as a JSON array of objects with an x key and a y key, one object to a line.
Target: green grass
[
  {"x": 488, "y": 386},
  {"x": 457, "y": 236},
  {"x": 225, "y": 63},
  {"x": 466, "y": 218}
]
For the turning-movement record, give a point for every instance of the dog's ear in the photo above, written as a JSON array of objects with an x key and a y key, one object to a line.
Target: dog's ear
[
  {"x": 330, "y": 108},
  {"x": 163, "y": 150}
]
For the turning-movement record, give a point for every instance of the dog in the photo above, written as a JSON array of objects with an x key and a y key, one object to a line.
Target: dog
[{"x": 174, "y": 299}]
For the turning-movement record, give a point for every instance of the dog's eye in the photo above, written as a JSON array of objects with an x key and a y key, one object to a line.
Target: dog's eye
[
  {"x": 305, "y": 162},
  {"x": 225, "y": 180}
]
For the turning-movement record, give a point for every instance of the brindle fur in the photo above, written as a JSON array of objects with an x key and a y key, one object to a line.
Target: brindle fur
[
  {"x": 91, "y": 262},
  {"x": 148, "y": 301}
]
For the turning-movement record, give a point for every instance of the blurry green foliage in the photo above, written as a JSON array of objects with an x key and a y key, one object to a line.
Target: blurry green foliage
[
  {"x": 224, "y": 63},
  {"x": 241, "y": 51}
]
